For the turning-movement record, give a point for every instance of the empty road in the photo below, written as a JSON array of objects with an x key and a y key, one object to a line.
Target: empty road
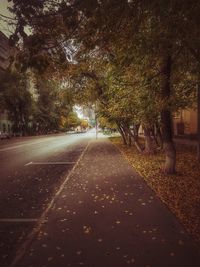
[{"x": 31, "y": 172}]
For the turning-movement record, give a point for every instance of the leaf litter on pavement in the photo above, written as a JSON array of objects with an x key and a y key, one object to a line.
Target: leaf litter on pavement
[{"x": 180, "y": 192}]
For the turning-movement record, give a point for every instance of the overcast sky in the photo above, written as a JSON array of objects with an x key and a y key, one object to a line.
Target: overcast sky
[{"x": 3, "y": 24}]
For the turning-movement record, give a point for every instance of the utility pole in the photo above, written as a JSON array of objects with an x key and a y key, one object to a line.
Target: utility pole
[
  {"x": 96, "y": 126},
  {"x": 96, "y": 123}
]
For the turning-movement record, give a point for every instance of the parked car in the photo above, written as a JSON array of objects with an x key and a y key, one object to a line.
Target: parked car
[{"x": 4, "y": 135}]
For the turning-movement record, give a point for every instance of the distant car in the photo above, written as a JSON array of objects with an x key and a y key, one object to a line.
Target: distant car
[{"x": 4, "y": 135}]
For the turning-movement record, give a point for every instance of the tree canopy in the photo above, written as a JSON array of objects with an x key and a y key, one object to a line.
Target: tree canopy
[{"x": 137, "y": 60}]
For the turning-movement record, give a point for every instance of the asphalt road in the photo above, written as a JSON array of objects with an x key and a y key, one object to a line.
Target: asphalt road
[{"x": 31, "y": 172}]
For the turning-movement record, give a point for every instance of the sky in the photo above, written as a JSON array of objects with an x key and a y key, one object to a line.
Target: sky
[{"x": 4, "y": 27}]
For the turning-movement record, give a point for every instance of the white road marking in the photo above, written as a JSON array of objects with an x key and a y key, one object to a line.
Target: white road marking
[
  {"x": 27, "y": 143},
  {"x": 21, "y": 145},
  {"x": 50, "y": 163},
  {"x": 12, "y": 147},
  {"x": 28, "y": 163},
  {"x": 17, "y": 220},
  {"x": 22, "y": 250}
]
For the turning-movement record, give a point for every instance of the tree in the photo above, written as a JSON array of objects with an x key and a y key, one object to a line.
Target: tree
[
  {"x": 71, "y": 121},
  {"x": 17, "y": 100},
  {"x": 127, "y": 50},
  {"x": 54, "y": 103},
  {"x": 189, "y": 35}
]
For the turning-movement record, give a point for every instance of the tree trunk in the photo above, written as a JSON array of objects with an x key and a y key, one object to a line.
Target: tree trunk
[
  {"x": 135, "y": 140},
  {"x": 149, "y": 146},
  {"x": 129, "y": 140},
  {"x": 128, "y": 133},
  {"x": 121, "y": 131},
  {"x": 198, "y": 118},
  {"x": 159, "y": 135},
  {"x": 136, "y": 130},
  {"x": 153, "y": 136},
  {"x": 166, "y": 121}
]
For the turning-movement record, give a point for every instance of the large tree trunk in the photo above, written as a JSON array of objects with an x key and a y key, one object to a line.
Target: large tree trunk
[
  {"x": 198, "y": 118},
  {"x": 166, "y": 119},
  {"x": 168, "y": 145}
]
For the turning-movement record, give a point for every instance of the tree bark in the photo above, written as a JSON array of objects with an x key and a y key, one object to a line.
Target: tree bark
[
  {"x": 159, "y": 135},
  {"x": 149, "y": 146},
  {"x": 129, "y": 140},
  {"x": 198, "y": 118},
  {"x": 153, "y": 136},
  {"x": 128, "y": 133},
  {"x": 136, "y": 130},
  {"x": 135, "y": 140},
  {"x": 166, "y": 119},
  {"x": 121, "y": 131}
]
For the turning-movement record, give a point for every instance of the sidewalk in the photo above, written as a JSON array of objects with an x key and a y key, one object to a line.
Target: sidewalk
[{"x": 106, "y": 216}]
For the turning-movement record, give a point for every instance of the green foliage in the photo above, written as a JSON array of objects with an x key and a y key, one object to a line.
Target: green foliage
[
  {"x": 71, "y": 121},
  {"x": 17, "y": 100},
  {"x": 104, "y": 123},
  {"x": 54, "y": 103},
  {"x": 121, "y": 48},
  {"x": 35, "y": 114}
]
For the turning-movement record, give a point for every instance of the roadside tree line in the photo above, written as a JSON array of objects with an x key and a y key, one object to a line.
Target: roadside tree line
[
  {"x": 40, "y": 108},
  {"x": 139, "y": 61}
]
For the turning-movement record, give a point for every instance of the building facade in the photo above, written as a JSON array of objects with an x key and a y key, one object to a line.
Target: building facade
[{"x": 185, "y": 123}]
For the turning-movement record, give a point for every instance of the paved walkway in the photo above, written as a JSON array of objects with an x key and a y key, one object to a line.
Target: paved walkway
[{"x": 106, "y": 216}]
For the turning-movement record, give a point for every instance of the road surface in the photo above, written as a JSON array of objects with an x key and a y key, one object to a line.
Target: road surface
[{"x": 31, "y": 172}]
